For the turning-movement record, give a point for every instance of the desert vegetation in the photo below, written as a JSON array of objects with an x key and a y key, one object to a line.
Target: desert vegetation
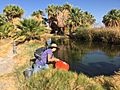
[{"x": 64, "y": 20}]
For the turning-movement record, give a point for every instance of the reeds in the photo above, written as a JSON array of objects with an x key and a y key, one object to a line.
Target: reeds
[{"x": 106, "y": 35}]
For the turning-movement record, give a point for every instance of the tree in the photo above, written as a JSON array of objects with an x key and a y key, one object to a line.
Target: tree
[
  {"x": 67, "y": 6},
  {"x": 57, "y": 15},
  {"x": 112, "y": 18},
  {"x": 62, "y": 18},
  {"x": 12, "y": 11},
  {"x": 52, "y": 17},
  {"x": 87, "y": 19},
  {"x": 13, "y": 14},
  {"x": 38, "y": 15},
  {"x": 78, "y": 18},
  {"x": 3, "y": 19},
  {"x": 29, "y": 29},
  {"x": 5, "y": 30},
  {"x": 74, "y": 19},
  {"x": 52, "y": 11}
]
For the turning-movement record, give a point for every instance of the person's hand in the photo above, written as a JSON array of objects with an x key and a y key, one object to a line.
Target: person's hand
[{"x": 57, "y": 60}]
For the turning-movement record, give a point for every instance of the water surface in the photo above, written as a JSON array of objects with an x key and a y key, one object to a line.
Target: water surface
[{"x": 92, "y": 59}]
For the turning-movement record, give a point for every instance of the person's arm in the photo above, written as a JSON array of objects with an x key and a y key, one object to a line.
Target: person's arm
[{"x": 52, "y": 59}]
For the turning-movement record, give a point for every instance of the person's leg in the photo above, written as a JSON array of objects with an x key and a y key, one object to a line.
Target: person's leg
[
  {"x": 36, "y": 68},
  {"x": 45, "y": 66}
]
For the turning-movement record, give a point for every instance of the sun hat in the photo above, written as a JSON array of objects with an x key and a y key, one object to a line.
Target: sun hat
[{"x": 53, "y": 45}]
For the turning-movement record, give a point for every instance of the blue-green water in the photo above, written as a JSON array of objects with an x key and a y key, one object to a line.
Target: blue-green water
[{"x": 92, "y": 59}]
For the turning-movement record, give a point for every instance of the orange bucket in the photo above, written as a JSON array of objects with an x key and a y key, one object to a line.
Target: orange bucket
[{"x": 62, "y": 65}]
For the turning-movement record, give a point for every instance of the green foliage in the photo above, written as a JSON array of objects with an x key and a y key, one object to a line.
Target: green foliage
[
  {"x": 39, "y": 16},
  {"x": 84, "y": 35},
  {"x": 86, "y": 83},
  {"x": 29, "y": 29},
  {"x": 87, "y": 19},
  {"x": 53, "y": 79},
  {"x": 52, "y": 10},
  {"x": 79, "y": 18},
  {"x": 71, "y": 17},
  {"x": 3, "y": 19},
  {"x": 5, "y": 30},
  {"x": 74, "y": 17},
  {"x": 12, "y": 11},
  {"x": 67, "y": 6},
  {"x": 37, "y": 13},
  {"x": 112, "y": 18},
  {"x": 106, "y": 35}
]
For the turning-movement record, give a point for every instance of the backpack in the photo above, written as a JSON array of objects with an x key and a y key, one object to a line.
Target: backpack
[{"x": 38, "y": 52}]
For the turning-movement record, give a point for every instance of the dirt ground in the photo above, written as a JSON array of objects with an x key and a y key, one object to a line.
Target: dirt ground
[
  {"x": 7, "y": 81},
  {"x": 9, "y": 61}
]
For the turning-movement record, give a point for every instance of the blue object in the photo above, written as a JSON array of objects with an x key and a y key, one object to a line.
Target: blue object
[{"x": 49, "y": 41}]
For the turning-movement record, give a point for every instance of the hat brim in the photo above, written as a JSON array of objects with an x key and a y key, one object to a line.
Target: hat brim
[{"x": 54, "y": 47}]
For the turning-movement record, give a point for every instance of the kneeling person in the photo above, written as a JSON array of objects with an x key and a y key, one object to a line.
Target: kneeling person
[{"x": 47, "y": 56}]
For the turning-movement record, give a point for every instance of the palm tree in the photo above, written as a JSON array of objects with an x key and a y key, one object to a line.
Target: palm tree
[
  {"x": 5, "y": 30},
  {"x": 78, "y": 18},
  {"x": 112, "y": 18},
  {"x": 63, "y": 16},
  {"x": 52, "y": 11},
  {"x": 87, "y": 19},
  {"x": 66, "y": 16},
  {"x": 12, "y": 12},
  {"x": 3, "y": 19},
  {"x": 57, "y": 15},
  {"x": 29, "y": 29},
  {"x": 52, "y": 17},
  {"x": 38, "y": 15},
  {"x": 67, "y": 6},
  {"x": 74, "y": 19}
]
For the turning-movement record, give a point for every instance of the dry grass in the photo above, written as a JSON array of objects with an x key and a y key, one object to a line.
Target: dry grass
[
  {"x": 5, "y": 47},
  {"x": 110, "y": 83},
  {"x": 25, "y": 52},
  {"x": 8, "y": 82}
]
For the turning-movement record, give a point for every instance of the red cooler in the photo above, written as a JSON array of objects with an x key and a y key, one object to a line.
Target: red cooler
[{"x": 62, "y": 65}]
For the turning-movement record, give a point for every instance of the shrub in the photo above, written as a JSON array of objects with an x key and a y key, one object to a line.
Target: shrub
[
  {"x": 29, "y": 29},
  {"x": 6, "y": 30},
  {"x": 84, "y": 35}
]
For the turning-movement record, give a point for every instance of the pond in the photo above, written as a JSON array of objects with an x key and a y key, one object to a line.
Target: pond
[{"x": 92, "y": 59}]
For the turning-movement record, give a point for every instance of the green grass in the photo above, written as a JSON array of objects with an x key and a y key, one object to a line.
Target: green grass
[
  {"x": 53, "y": 79},
  {"x": 31, "y": 48}
]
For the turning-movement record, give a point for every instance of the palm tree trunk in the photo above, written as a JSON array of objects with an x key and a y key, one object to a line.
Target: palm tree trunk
[{"x": 70, "y": 31}]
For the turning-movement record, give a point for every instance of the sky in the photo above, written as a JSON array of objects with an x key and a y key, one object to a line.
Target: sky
[{"x": 98, "y": 8}]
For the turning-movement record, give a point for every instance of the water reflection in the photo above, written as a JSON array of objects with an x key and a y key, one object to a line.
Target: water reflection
[{"x": 92, "y": 59}]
